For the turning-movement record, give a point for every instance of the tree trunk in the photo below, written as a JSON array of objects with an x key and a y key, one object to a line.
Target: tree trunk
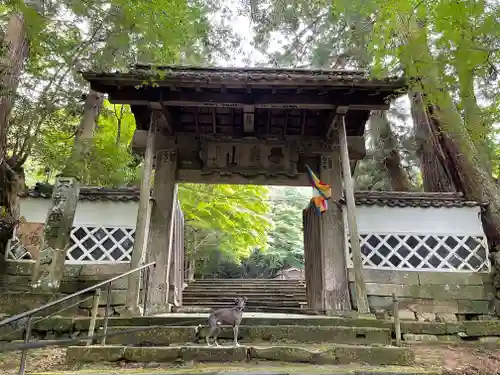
[
  {"x": 468, "y": 170},
  {"x": 385, "y": 141},
  {"x": 49, "y": 268},
  {"x": 392, "y": 158},
  {"x": 434, "y": 166},
  {"x": 11, "y": 173}
]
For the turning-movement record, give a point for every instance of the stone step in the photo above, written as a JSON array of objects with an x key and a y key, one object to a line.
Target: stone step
[
  {"x": 191, "y": 293},
  {"x": 246, "y": 281},
  {"x": 229, "y": 302},
  {"x": 164, "y": 336},
  {"x": 181, "y": 319},
  {"x": 251, "y": 309},
  {"x": 263, "y": 289},
  {"x": 291, "y": 309},
  {"x": 334, "y": 354}
]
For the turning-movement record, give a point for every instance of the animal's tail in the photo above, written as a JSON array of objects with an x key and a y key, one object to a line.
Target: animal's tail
[{"x": 197, "y": 331}]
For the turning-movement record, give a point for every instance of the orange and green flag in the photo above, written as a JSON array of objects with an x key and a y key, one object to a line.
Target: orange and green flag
[{"x": 321, "y": 192}]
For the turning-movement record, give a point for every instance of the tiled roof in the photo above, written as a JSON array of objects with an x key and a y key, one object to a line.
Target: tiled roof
[
  {"x": 363, "y": 198},
  {"x": 413, "y": 199},
  {"x": 249, "y": 75},
  {"x": 89, "y": 193}
]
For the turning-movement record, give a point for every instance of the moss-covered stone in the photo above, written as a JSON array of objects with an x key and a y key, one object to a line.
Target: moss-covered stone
[
  {"x": 83, "y": 323},
  {"x": 281, "y": 353},
  {"x": 17, "y": 302},
  {"x": 338, "y": 354},
  {"x": 96, "y": 353},
  {"x": 425, "y": 328},
  {"x": 310, "y": 334},
  {"x": 482, "y": 328},
  {"x": 213, "y": 354},
  {"x": 352, "y": 335},
  {"x": 367, "y": 355},
  {"x": 419, "y": 338},
  {"x": 152, "y": 354},
  {"x": 57, "y": 324}
]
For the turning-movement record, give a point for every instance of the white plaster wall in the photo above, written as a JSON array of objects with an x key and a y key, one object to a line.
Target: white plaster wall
[
  {"x": 452, "y": 221},
  {"x": 104, "y": 214}
]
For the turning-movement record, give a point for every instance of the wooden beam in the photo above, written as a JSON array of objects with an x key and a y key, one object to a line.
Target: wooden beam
[
  {"x": 356, "y": 144},
  {"x": 361, "y": 297},
  {"x": 248, "y": 119},
  {"x": 214, "y": 121},
  {"x": 303, "y": 121},
  {"x": 167, "y": 119},
  {"x": 358, "y": 101},
  {"x": 195, "y": 117}
]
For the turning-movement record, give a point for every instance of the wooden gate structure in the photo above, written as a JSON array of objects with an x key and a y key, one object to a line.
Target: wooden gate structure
[{"x": 252, "y": 126}]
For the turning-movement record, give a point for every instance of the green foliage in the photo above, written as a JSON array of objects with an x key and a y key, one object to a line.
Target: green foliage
[
  {"x": 231, "y": 219},
  {"x": 284, "y": 246},
  {"x": 108, "y": 161}
]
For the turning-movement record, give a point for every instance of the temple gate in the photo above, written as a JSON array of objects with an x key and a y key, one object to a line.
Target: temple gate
[{"x": 252, "y": 126}]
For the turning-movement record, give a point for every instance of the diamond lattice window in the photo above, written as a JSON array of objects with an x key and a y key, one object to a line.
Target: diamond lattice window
[
  {"x": 423, "y": 252},
  {"x": 100, "y": 245}
]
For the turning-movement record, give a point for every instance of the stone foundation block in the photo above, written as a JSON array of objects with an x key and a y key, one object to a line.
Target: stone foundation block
[
  {"x": 426, "y": 317},
  {"x": 299, "y": 334},
  {"x": 95, "y": 353},
  {"x": 490, "y": 340},
  {"x": 406, "y": 315},
  {"x": 336, "y": 355},
  {"x": 419, "y": 338},
  {"x": 152, "y": 354},
  {"x": 446, "y": 318},
  {"x": 214, "y": 354}
]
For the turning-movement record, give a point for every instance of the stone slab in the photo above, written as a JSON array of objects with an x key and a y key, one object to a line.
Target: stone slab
[
  {"x": 18, "y": 302},
  {"x": 429, "y": 291},
  {"x": 339, "y": 354},
  {"x": 118, "y": 297},
  {"x": 300, "y": 334},
  {"x": 387, "y": 277},
  {"x": 334, "y": 354},
  {"x": 249, "y": 319},
  {"x": 455, "y": 278}
]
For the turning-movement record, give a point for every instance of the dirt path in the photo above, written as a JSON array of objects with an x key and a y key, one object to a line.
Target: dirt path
[{"x": 462, "y": 360}]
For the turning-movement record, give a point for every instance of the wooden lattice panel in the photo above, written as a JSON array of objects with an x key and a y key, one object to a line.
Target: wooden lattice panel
[
  {"x": 100, "y": 245},
  {"x": 419, "y": 252}
]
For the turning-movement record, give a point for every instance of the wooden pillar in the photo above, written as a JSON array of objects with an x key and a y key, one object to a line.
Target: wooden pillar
[
  {"x": 141, "y": 231},
  {"x": 176, "y": 267},
  {"x": 313, "y": 259},
  {"x": 335, "y": 281},
  {"x": 160, "y": 230},
  {"x": 359, "y": 281}
]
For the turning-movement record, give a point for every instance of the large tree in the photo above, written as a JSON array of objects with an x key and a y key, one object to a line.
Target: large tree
[{"x": 44, "y": 83}]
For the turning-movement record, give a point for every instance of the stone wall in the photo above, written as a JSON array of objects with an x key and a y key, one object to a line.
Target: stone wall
[
  {"x": 16, "y": 296},
  {"x": 430, "y": 296}
]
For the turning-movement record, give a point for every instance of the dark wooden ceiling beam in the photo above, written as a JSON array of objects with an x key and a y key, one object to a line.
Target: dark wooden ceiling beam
[
  {"x": 340, "y": 111},
  {"x": 358, "y": 100}
]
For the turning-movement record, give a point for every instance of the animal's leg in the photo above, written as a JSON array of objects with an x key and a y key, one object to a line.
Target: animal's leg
[
  {"x": 235, "y": 332},
  {"x": 216, "y": 335},
  {"x": 212, "y": 323}
]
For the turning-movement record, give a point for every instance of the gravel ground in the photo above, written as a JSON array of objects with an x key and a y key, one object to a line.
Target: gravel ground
[{"x": 452, "y": 359}]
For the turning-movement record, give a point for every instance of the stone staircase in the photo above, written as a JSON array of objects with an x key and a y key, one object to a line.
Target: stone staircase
[
  {"x": 264, "y": 295},
  {"x": 278, "y": 338}
]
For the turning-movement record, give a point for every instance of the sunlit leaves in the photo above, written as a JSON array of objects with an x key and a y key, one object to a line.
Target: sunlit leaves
[{"x": 235, "y": 217}]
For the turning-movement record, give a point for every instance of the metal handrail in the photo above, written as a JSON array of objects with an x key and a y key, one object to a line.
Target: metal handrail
[
  {"x": 70, "y": 296},
  {"x": 97, "y": 289}
]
